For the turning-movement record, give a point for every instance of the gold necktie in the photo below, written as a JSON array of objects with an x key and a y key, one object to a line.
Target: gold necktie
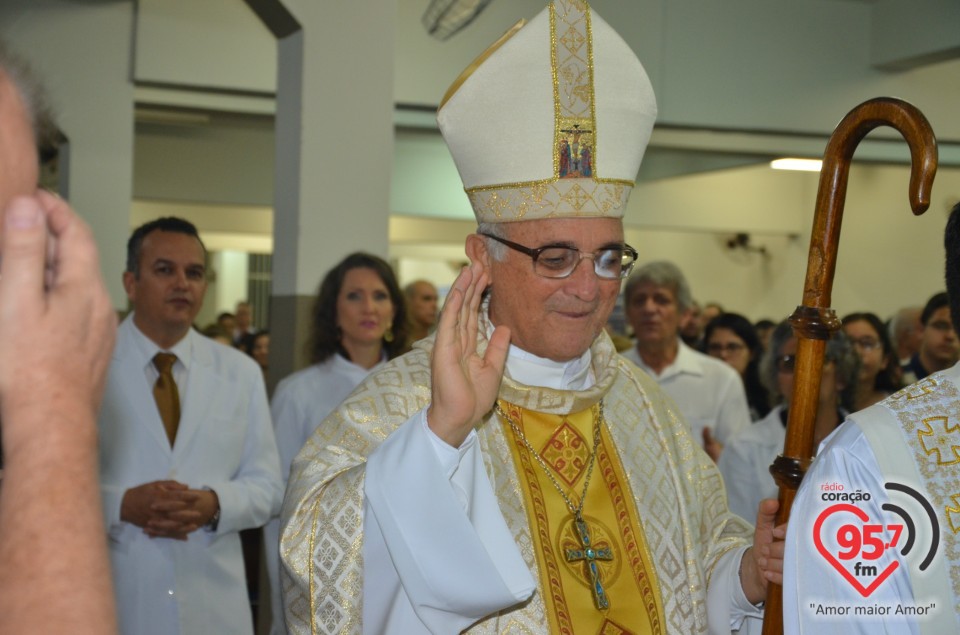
[{"x": 166, "y": 395}]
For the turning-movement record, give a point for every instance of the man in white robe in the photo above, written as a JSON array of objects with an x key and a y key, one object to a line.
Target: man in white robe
[
  {"x": 178, "y": 490},
  {"x": 428, "y": 501},
  {"x": 872, "y": 543}
]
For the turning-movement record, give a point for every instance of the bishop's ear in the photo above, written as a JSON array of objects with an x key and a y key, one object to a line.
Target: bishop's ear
[{"x": 476, "y": 248}]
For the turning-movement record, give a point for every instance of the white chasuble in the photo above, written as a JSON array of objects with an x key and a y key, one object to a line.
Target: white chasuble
[{"x": 383, "y": 533}]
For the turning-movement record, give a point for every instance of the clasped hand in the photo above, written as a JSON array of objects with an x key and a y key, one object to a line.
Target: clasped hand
[{"x": 168, "y": 509}]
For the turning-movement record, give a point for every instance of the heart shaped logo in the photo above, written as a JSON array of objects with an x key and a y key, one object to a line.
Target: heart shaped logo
[{"x": 865, "y": 591}]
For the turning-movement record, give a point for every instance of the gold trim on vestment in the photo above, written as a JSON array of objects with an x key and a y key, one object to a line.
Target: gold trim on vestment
[
  {"x": 629, "y": 579},
  {"x": 929, "y": 416}
]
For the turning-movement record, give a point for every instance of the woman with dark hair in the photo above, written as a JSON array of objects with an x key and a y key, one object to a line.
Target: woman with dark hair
[
  {"x": 733, "y": 339},
  {"x": 745, "y": 462},
  {"x": 359, "y": 313},
  {"x": 257, "y": 346},
  {"x": 878, "y": 364},
  {"x": 358, "y": 324}
]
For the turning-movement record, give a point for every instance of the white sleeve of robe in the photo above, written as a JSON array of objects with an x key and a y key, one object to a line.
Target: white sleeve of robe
[
  {"x": 811, "y": 584},
  {"x": 728, "y": 609},
  {"x": 462, "y": 564},
  {"x": 437, "y": 554}
]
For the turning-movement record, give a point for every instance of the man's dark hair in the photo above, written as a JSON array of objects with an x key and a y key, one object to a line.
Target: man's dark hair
[
  {"x": 165, "y": 224},
  {"x": 937, "y": 302},
  {"x": 951, "y": 243},
  {"x": 764, "y": 323}
]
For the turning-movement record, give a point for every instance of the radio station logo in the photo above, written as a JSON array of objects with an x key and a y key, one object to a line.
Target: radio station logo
[{"x": 863, "y": 549}]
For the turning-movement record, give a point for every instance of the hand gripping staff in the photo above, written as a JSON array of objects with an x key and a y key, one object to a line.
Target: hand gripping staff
[{"x": 813, "y": 321}]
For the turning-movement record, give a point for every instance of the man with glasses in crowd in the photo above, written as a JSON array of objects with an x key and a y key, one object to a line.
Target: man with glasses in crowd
[
  {"x": 939, "y": 347},
  {"x": 516, "y": 474}
]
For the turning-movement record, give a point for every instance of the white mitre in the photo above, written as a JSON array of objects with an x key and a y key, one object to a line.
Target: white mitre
[{"x": 551, "y": 121}]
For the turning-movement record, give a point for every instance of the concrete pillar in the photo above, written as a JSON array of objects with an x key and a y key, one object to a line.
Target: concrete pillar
[{"x": 334, "y": 157}]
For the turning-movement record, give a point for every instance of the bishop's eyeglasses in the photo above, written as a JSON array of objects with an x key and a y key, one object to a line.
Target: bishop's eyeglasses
[{"x": 559, "y": 261}]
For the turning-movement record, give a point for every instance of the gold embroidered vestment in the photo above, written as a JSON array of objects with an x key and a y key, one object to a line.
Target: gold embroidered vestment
[{"x": 669, "y": 489}]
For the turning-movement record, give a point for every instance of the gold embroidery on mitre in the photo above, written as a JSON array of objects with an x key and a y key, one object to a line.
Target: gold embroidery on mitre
[
  {"x": 571, "y": 61},
  {"x": 576, "y": 188},
  {"x": 937, "y": 440},
  {"x": 547, "y": 199}
]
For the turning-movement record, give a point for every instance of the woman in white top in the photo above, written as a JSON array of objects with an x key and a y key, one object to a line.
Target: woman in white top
[
  {"x": 358, "y": 323},
  {"x": 745, "y": 462}
]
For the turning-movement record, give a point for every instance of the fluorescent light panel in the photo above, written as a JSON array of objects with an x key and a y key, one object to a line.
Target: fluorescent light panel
[{"x": 803, "y": 165}]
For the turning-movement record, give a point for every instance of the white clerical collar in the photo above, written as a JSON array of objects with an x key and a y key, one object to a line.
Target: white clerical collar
[
  {"x": 531, "y": 370},
  {"x": 528, "y": 369}
]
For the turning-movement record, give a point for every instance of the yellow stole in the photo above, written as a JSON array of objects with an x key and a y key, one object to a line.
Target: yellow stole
[{"x": 619, "y": 557}]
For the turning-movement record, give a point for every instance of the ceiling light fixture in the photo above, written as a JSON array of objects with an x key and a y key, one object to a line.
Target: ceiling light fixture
[{"x": 803, "y": 165}]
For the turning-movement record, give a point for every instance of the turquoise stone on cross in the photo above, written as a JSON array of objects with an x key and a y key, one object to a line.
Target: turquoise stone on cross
[{"x": 590, "y": 556}]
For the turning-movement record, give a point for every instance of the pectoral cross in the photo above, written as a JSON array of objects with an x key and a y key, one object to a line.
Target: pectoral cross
[{"x": 590, "y": 556}]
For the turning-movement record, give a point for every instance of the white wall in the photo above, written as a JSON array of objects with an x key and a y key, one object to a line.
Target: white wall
[
  {"x": 230, "y": 286},
  {"x": 747, "y": 64},
  {"x": 208, "y": 44},
  {"x": 887, "y": 258},
  {"x": 738, "y": 64}
]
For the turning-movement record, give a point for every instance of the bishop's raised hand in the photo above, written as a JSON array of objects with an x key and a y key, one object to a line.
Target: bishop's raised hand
[{"x": 464, "y": 385}]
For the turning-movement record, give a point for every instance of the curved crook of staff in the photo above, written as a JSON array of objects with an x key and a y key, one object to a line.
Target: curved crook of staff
[{"x": 814, "y": 321}]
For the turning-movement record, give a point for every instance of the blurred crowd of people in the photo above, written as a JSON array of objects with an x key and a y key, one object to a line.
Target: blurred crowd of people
[{"x": 742, "y": 423}]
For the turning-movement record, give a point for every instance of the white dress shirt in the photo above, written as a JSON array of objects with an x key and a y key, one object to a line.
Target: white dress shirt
[{"x": 708, "y": 392}]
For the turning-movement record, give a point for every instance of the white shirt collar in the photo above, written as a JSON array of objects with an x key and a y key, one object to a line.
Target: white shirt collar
[
  {"x": 686, "y": 361},
  {"x": 148, "y": 348}
]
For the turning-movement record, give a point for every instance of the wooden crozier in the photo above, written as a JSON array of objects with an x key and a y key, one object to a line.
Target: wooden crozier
[{"x": 814, "y": 321}]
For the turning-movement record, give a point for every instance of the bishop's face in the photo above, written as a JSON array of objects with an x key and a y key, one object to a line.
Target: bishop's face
[
  {"x": 553, "y": 318},
  {"x": 18, "y": 152}
]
